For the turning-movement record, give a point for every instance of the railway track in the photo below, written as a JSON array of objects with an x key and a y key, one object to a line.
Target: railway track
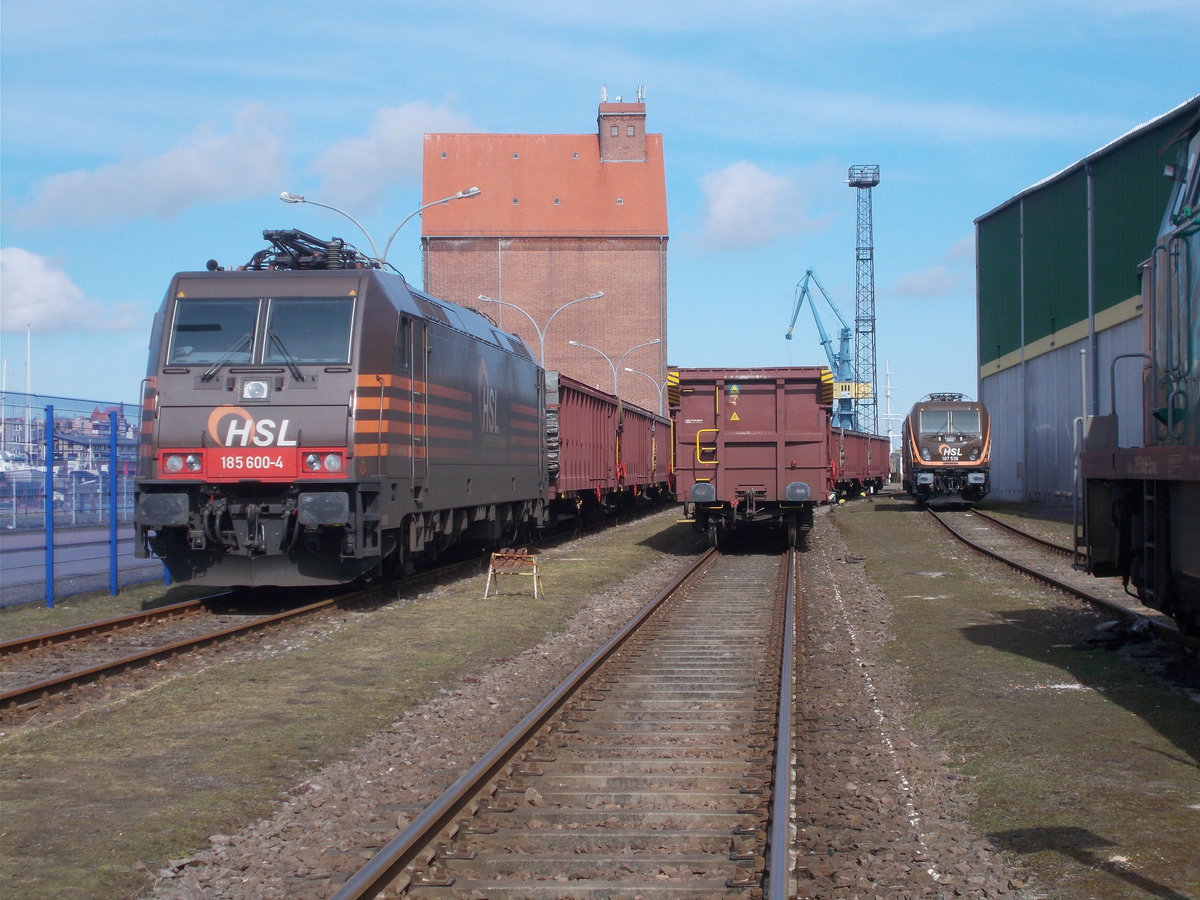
[
  {"x": 1053, "y": 547},
  {"x": 40, "y": 666},
  {"x": 36, "y": 677},
  {"x": 1042, "y": 560},
  {"x": 73, "y": 633},
  {"x": 648, "y": 773}
]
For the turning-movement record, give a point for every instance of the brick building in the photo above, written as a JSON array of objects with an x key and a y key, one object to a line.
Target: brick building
[{"x": 561, "y": 216}]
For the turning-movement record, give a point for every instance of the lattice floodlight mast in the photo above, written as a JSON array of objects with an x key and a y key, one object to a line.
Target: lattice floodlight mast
[{"x": 864, "y": 178}]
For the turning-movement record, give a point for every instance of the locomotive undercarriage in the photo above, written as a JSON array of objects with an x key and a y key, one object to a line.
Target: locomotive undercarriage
[
  {"x": 970, "y": 486},
  {"x": 1139, "y": 530},
  {"x": 256, "y": 534}
]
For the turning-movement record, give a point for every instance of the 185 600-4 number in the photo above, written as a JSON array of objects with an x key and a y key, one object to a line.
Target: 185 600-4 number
[{"x": 251, "y": 463}]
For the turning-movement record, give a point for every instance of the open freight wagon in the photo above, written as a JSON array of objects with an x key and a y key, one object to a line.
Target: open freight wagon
[{"x": 752, "y": 448}]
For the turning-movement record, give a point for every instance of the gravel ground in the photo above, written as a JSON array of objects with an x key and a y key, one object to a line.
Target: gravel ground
[{"x": 877, "y": 815}]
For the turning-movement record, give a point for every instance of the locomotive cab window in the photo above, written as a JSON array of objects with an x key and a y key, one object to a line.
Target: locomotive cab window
[
  {"x": 211, "y": 331},
  {"x": 966, "y": 421},
  {"x": 935, "y": 421},
  {"x": 308, "y": 330},
  {"x": 950, "y": 421}
]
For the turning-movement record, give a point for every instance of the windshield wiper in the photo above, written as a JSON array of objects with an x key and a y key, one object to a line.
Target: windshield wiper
[
  {"x": 242, "y": 342},
  {"x": 287, "y": 357}
]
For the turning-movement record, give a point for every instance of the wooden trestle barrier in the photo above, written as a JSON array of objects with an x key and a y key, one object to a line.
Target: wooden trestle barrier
[{"x": 513, "y": 562}]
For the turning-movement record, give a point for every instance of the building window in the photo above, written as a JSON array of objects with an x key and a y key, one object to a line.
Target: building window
[
  {"x": 620, "y": 202},
  {"x": 443, "y": 154},
  {"x": 574, "y": 156},
  {"x": 557, "y": 201},
  {"x": 516, "y": 156},
  {"x": 615, "y": 131},
  {"x": 515, "y": 201},
  {"x": 631, "y": 130}
]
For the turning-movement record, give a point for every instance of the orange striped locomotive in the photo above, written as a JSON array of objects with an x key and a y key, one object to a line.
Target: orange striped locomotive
[
  {"x": 310, "y": 418},
  {"x": 946, "y": 443}
]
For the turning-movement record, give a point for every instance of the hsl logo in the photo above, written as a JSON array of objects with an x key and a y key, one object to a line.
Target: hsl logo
[
  {"x": 489, "y": 417},
  {"x": 242, "y": 429}
]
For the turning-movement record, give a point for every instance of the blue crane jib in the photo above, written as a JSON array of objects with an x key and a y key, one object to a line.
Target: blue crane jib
[{"x": 841, "y": 362}]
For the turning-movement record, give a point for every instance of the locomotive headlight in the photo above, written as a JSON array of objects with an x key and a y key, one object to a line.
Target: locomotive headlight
[
  {"x": 173, "y": 463},
  {"x": 328, "y": 462},
  {"x": 194, "y": 462},
  {"x": 925, "y": 454},
  {"x": 254, "y": 389}
]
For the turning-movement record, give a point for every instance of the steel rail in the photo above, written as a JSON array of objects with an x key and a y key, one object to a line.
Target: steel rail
[
  {"x": 1041, "y": 542},
  {"x": 1163, "y": 627},
  {"x": 390, "y": 862},
  {"x": 30, "y": 692},
  {"x": 100, "y": 626},
  {"x": 60, "y": 683},
  {"x": 779, "y": 834}
]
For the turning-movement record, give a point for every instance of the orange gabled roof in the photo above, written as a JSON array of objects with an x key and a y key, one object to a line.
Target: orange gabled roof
[{"x": 536, "y": 185}]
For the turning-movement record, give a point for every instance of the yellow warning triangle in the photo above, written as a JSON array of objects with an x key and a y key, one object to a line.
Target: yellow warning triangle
[{"x": 735, "y": 418}]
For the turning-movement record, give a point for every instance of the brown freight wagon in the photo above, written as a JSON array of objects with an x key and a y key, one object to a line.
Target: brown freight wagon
[
  {"x": 601, "y": 452},
  {"x": 752, "y": 448},
  {"x": 859, "y": 463}
]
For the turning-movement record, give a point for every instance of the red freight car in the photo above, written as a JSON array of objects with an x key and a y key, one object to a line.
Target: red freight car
[
  {"x": 858, "y": 462},
  {"x": 752, "y": 448},
  {"x": 601, "y": 452}
]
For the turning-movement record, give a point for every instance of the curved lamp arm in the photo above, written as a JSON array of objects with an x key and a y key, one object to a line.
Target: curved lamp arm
[{"x": 469, "y": 192}]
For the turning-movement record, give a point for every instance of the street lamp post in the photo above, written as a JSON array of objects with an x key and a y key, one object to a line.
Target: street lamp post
[
  {"x": 287, "y": 197},
  {"x": 541, "y": 332},
  {"x": 461, "y": 195},
  {"x": 620, "y": 360},
  {"x": 658, "y": 387}
]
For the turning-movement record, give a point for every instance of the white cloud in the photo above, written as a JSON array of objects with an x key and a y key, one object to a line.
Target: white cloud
[
  {"x": 936, "y": 281},
  {"x": 209, "y": 165},
  {"x": 36, "y": 293},
  {"x": 950, "y": 278},
  {"x": 356, "y": 170},
  {"x": 746, "y": 206}
]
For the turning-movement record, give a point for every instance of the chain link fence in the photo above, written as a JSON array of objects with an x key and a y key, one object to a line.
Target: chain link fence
[
  {"x": 67, "y": 469},
  {"x": 76, "y": 450}
]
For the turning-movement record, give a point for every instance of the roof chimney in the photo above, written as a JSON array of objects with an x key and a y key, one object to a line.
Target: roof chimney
[{"x": 622, "y": 128}]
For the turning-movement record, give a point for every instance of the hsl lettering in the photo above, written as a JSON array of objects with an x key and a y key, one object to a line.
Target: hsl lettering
[{"x": 242, "y": 429}]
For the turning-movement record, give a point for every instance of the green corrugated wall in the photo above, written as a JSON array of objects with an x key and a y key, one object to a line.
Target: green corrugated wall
[
  {"x": 1130, "y": 194},
  {"x": 999, "y": 264}
]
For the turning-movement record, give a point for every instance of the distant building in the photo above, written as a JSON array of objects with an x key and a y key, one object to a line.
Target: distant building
[
  {"x": 1060, "y": 305},
  {"x": 560, "y": 216}
]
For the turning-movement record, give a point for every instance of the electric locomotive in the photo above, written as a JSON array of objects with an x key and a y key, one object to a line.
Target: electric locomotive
[
  {"x": 1142, "y": 504},
  {"x": 946, "y": 442},
  {"x": 310, "y": 418}
]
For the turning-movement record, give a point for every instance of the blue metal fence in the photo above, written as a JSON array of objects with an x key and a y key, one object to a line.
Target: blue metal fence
[{"x": 68, "y": 466}]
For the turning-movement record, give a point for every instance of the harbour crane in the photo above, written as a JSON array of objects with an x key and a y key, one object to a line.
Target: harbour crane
[{"x": 841, "y": 363}]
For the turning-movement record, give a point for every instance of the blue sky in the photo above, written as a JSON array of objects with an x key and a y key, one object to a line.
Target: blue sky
[{"x": 143, "y": 138}]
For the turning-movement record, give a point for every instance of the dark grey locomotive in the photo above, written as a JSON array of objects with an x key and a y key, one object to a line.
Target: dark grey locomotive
[{"x": 310, "y": 418}]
